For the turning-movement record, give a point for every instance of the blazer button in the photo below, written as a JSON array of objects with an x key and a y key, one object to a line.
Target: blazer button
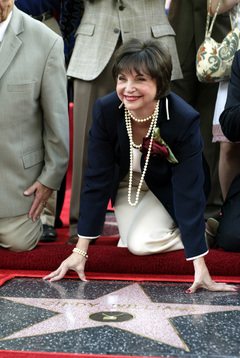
[
  {"x": 116, "y": 31},
  {"x": 121, "y": 8}
]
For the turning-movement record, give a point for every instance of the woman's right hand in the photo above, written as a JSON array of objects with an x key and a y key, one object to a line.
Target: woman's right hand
[{"x": 74, "y": 262}]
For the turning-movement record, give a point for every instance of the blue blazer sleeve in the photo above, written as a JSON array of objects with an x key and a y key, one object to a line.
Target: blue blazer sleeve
[{"x": 188, "y": 189}]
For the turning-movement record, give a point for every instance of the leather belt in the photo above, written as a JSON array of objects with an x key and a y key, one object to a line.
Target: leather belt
[{"x": 44, "y": 16}]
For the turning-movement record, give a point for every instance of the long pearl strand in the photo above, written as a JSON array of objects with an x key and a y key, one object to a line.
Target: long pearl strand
[
  {"x": 128, "y": 117},
  {"x": 132, "y": 144}
]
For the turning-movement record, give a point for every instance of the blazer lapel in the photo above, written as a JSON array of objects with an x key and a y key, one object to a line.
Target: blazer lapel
[
  {"x": 11, "y": 43},
  {"x": 123, "y": 142},
  {"x": 162, "y": 117}
]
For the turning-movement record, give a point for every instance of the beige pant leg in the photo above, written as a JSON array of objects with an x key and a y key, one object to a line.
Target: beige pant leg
[
  {"x": 49, "y": 212},
  {"x": 19, "y": 233},
  {"x": 85, "y": 95},
  {"x": 146, "y": 228}
]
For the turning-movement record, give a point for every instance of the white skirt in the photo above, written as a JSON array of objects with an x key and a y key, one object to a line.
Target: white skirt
[
  {"x": 218, "y": 135},
  {"x": 146, "y": 228}
]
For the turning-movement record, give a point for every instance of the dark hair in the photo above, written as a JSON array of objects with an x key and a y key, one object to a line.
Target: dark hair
[{"x": 150, "y": 57}]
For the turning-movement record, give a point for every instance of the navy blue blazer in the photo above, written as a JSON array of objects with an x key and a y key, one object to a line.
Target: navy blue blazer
[
  {"x": 230, "y": 117},
  {"x": 179, "y": 187}
]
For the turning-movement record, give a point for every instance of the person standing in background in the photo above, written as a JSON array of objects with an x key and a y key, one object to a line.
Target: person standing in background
[
  {"x": 188, "y": 18},
  {"x": 227, "y": 232},
  {"x": 70, "y": 16},
  {"x": 67, "y": 12},
  {"x": 104, "y": 26},
  {"x": 42, "y": 10},
  {"x": 229, "y": 158}
]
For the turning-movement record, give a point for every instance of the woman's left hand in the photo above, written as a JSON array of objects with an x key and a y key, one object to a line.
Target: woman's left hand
[{"x": 202, "y": 279}]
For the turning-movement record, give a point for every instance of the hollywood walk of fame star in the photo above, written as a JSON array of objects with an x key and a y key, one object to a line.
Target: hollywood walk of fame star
[{"x": 139, "y": 315}]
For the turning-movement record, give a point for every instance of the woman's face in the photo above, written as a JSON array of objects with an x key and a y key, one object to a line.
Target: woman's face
[{"x": 137, "y": 92}]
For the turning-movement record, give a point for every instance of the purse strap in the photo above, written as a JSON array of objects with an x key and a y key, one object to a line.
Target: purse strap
[
  {"x": 236, "y": 17},
  {"x": 208, "y": 30}
]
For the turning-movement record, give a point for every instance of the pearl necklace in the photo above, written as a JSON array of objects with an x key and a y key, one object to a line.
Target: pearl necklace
[
  {"x": 153, "y": 124},
  {"x": 129, "y": 129},
  {"x": 138, "y": 119}
]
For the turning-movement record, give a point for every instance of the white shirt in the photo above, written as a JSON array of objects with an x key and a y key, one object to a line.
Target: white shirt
[{"x": 136, "y": 160}]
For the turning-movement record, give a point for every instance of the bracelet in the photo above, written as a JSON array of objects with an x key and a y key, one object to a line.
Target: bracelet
[{"x": 80, "y": 252}]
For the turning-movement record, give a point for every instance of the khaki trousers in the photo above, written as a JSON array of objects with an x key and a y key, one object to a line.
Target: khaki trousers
[
  {"x": 49, "y": 211},
  {"x": 85, "y": 95},
  {"x": 19, "y": 233}
]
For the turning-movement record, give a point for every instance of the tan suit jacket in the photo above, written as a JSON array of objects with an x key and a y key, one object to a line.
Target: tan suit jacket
[
  {"x": 96, "y": 39},
  {"x": 33, "y": 112}
]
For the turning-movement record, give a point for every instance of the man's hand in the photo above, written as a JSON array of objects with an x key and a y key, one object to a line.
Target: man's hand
[{"x": 41, "y": 196}]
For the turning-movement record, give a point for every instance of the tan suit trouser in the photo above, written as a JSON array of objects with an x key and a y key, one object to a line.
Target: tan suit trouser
[
  {"x": 49, "y": 212},
  {"x": 19, "y": 233},
  {"x": 85, "y": 94}
]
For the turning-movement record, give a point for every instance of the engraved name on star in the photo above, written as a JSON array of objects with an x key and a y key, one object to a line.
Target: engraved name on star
[{"x": 141, "y": 316}]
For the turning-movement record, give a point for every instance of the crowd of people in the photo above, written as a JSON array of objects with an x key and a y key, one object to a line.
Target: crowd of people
[{"x": 142, "y": 127}]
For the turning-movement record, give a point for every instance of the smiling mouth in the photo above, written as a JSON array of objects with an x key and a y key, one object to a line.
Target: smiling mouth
[{"x": 131, "y": 98}]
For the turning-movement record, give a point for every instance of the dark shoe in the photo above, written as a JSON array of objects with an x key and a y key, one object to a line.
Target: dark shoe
[
  {"x": 73, "y": 240},
  {"x": 49, "y": 234},
  {"x": 211, "y": 232}
]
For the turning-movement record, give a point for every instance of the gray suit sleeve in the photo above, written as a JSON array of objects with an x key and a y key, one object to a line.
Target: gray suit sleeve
[{"x": 54, "y": 104}]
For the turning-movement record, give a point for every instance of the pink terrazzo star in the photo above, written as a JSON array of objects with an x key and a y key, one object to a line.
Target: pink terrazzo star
[{"x": 148, "y": 319}]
